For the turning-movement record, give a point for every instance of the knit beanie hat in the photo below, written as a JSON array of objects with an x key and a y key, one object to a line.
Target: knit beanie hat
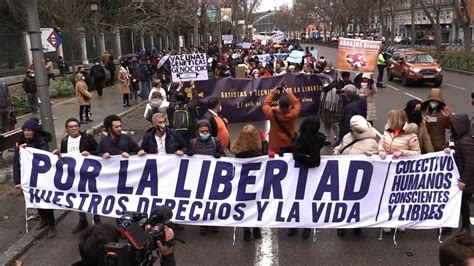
[
  {"x": 32, "y": 123},
  {"x": 359, "y": 123},
  {"x": 367, "y": 75}
]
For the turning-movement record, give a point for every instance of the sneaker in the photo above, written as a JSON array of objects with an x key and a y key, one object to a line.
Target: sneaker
[
  {"x": 292, "y": 231},
  {"x": 256, "y": 233},
  {"x": 341, "y": 232},
  {"x": 306, "y": 233},
  {"x": 41, "y": 225},
  {"x": 246, "y": 234},
  {"x": 387, "y": 230},
  {"x": 83, "y": 224},
  {"x": 52, "y": 231}
]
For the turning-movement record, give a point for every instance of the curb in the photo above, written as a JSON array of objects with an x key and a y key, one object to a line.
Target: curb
[{"x": 27, "y": 240}]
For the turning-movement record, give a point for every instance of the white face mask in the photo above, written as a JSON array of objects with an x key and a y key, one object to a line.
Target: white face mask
[
  {"x": 433, "y": 104},
  {"x": 364, "y": 85},
  {"x": 220, "y": 108}
]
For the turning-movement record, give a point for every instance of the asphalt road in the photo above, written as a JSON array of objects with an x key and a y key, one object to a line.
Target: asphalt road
[{"x": 414, "y": 247}]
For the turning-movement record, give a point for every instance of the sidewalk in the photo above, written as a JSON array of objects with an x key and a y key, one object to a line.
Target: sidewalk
[{"x": 13, "y": 240}]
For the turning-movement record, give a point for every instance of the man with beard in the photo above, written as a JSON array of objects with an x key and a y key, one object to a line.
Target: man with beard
[
  {"x": 116, "y": 143},
  {"x": 160, "y": 139},
  {"x": 414, "y": 114}
]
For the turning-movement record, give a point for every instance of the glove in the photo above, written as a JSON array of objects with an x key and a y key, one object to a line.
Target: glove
[
  {"x": 397, "y": 154},
  {"x": 189, "y": 153},
  {"x": 281, "y": 153},
  {"x": 271, "y": 154},
  {"x": 216, "y": 155}
]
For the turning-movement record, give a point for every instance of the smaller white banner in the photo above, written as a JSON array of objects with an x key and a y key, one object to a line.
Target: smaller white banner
[{"x": 188, "y": 67}]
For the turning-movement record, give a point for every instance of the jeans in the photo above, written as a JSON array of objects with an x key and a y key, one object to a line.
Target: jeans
[{"x": 145, "y": 89}]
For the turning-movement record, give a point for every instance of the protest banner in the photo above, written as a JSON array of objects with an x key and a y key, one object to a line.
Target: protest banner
[
  {"x": 350, "y": 191},
  {"x": 227, "y": 38},
  {"x": 295, "y": 57},
  {"x": 188, "y": 67},
  {"x": 241, "y": 99},
  {"x": 265, "y": 58},
  {"x": 357, "y": 55}
]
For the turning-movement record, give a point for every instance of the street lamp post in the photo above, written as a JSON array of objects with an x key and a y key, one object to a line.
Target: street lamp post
[
  {"x": 41, "y": 79},
  {"x": 94, "y": 6}
]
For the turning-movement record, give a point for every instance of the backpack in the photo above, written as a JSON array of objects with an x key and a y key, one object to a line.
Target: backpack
[{"x": 182, "y": 121}]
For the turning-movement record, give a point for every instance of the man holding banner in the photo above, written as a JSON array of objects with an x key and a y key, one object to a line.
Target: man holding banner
[{"x": 116, "y": 143}]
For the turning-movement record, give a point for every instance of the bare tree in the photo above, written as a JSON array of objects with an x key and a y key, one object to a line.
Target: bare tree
[
  {"x": 462, "y": 13},
  {"x": 433, "y": 13}
]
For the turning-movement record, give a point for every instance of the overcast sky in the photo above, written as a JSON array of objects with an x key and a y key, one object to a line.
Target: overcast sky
[{"x": 271, "y": 4}]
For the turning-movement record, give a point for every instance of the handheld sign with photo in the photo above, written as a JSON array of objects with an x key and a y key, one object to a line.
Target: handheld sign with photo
[
  {"x": 357, "y": 55},
  {"x": 186, "y": 67}
]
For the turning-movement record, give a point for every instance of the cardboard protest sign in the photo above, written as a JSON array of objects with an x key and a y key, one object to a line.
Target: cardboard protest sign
[
  {"x": 357, "y": 55},
  {"x": 295, "y": 57},
  {"x": 188, "y": 67},
  {"x": 228, "y": 38},
  {"x": 350, "y": 191}
]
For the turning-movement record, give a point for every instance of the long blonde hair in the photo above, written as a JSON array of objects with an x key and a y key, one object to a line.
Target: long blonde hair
[
  {"x": 396, "y": 119},
  {"x": 248, "y": 140}
]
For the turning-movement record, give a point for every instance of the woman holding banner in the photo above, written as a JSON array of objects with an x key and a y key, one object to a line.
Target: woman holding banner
[
  {"x": 362, "y": 139},
  {"x": 248, "y": 145},
  {"x": 399, "y": 139}
]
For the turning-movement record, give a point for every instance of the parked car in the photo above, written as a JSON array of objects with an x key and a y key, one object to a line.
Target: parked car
[
  {"x": 426, "y": 40},
  {"x": 397, "y": 39},
  {"x": 414, "y": 66}
]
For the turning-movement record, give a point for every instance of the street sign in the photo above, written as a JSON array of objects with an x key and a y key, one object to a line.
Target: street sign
[
  {"x": 50, "y": 40},
  {"x": 226, "y": 14}
]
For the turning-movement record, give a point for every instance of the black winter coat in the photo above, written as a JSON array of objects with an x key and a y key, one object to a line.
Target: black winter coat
[
  {"x": 173, "y": 141},
  {"x": 212, "y": 121},
  {"x": 124, "y": 143},
  {"x": 39, "y": 141},
  {"x": 464, "y": 149},
  {"x": 357, "y": 106},
  {"x": 29, "y": 85},
  {"x": 87, "y": 143},
  {"x": 211, "y": 146},
  {"x": 308, "y": 151}
]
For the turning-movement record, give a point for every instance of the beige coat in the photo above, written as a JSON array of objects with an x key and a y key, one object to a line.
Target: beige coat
[
  {"x": 424, "y": 138},
  {"x": 406, "y": 141},
  {"x": 83, "y": 95},
  {"x": 123, "y": 81},
  {"x": 366, "y": 144},
  {"x": 369, "y": 96},
  {"x": 49, "y": 67}
]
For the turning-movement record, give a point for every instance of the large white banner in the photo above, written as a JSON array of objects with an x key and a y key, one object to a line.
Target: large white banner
[
  {"x": 186, "y": 67},
  {"x": 343, "y": 192}
]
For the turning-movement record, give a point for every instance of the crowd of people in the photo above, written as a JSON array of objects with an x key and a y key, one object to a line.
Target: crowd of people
[{"x": 347, "y": 112}]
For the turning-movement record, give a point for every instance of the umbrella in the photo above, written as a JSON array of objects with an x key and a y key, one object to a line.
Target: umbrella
[{"x": 162, "y": 61}]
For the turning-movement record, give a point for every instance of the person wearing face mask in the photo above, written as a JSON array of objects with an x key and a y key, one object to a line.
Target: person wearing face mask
[
  {"x": 161, "y": 139},
  {"x": 321, "y": 64},
  {"x": 437, "y": 115},
  {"x": 205, "y": 144},
  {"x": 29, "y": 86},
  {"x": 124, "y": 83},
  {"x": 367, "y": 90},
  {"x": 218, "y": 124},
  {"x": 156, "y": 104},
  {"x": 83, "y": 97},
  {"x": 414, "y": 114}
]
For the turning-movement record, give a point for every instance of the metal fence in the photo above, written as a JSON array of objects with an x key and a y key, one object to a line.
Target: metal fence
[{"x": 456, "y": 62}]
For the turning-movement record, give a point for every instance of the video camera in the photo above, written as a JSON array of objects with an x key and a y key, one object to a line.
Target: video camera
[{"x": 141, "y": 244}]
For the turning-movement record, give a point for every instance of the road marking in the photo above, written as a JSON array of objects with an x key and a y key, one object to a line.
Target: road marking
[
  {"x": 266, "y": 250},
  {"x": 454, "y": 86},
  {"x": 406, "y": 93}
]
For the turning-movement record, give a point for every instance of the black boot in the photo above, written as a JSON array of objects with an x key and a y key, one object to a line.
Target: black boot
[
  {"x": 256, "y": 233},
  {"x": 52, "y": 231},
  {"x": 292, "y": 231},
  {"x": 83, "y": 224},
  {"x": 306, "y": 233},
  {"x": 341, "y": 232},
  {"x": 246, "y": 234},
  {"x": 41, "y": 225}
]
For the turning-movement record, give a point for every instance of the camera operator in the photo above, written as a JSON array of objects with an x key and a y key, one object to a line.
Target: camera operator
[{"x": 93, "y": 240}]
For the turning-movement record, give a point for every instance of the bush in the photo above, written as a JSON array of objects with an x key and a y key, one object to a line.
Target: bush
[
  {"x": 22, "y": 106},
  {"x": 61, "y": 87}
]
